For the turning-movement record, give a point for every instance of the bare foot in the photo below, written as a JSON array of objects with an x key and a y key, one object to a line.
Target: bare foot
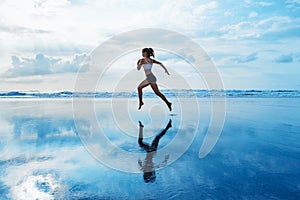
[
  {"x": 140, "y": 123},
  {"x": 169, "y": 106},
  {"x": 169, "y": 124},
  {"x": 141, "y": 104}
]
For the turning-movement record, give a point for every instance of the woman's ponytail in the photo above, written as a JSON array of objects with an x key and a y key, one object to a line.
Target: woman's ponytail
[{"x": 151, "y": 52}]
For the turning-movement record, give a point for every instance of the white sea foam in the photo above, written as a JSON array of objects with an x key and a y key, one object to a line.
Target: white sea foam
[{"x": 169, "y": 93}]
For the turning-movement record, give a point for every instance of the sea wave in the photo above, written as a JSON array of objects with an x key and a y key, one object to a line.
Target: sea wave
[{"x": 150, "y": 94}]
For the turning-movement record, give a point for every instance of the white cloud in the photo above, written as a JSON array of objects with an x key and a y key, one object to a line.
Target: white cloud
[
  {"x": 19, "y": 30},
  {"x": 264, "y": 4},
  {"x": 240, "y": 30},
  {"x": 253, "y": 14},
  {"x": 228, "y": 13},
  {"x": 200, "y": 9},
  {"x": 281, "y": 25},
  {"x": 260, "y": 3},
  {"x": 43, "y": 65},
  {"x": 294, "y": 5},
  {"x": 293, "y": 2}
]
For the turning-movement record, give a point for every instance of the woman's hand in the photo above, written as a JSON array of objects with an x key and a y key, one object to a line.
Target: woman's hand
[
  {"x": 141, "y": 61},
  {"x": 166, "y": 71}
]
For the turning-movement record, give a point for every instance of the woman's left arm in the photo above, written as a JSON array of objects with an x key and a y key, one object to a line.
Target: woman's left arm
[{"x": 157, "y": 62}]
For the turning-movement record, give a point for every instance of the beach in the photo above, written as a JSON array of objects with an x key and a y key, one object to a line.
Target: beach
[{"x": 45, "y": 154}]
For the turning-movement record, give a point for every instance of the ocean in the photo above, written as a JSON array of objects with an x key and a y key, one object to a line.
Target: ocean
[{"x": 88, "y": 145}]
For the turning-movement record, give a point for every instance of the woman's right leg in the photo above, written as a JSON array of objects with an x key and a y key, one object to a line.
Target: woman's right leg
[
  {"x": 157, "y": 138},
  {"x": 143, "y": 84},
  {"x": 158, "y": 93}
]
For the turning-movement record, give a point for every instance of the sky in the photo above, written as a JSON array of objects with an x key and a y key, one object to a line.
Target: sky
[{"x": 45, "y": 43}]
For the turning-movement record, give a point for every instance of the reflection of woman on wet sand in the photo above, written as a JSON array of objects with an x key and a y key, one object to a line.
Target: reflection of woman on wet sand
[
  {"x": 146, "y": 62},
  {"x": 148, "y": 167}
]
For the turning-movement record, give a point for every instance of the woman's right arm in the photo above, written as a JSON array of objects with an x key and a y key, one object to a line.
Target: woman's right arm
[{"x": 139, "y": 64}]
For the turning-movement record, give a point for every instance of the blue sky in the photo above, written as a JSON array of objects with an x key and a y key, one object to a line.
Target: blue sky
[{"x": 253, "y": 44}]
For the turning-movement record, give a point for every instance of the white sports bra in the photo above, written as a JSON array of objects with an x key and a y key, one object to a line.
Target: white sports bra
[{"x": 147, "y": 66}]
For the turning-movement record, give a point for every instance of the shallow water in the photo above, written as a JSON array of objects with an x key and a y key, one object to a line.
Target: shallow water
[{"x": 44, "y": 156}]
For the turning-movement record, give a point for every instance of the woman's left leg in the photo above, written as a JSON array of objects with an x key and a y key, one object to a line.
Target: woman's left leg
[
  {"x": 145, "y": 146},
  {"x": 158, "y": 93}
]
